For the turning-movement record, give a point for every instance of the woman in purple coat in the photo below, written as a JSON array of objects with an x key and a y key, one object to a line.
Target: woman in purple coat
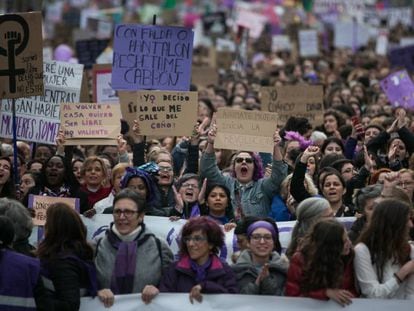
[{"x": 199, "y": 269}]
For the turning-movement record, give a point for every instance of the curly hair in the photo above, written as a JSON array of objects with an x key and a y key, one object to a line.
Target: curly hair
[
  {"x": 387, "y": 235},
  {"x": 258, "y": 172},
  {"x": 322, "y": 250},
  {"x": 210, "y": 228}
]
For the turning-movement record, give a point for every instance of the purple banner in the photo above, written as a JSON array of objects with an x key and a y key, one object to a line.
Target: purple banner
[
  {"x": 152, "y": 57},
  {"x": 399, "y": 89},
  {"x": 403, "y": 57}
]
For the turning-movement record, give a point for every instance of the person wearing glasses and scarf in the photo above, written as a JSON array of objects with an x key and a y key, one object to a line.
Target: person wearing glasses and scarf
[
  {"x": 199, "y": 269},
  {"x": 129, "y": 257},
  {"x": 251, "y": 193},
  {"x": 260, "y": 269}
]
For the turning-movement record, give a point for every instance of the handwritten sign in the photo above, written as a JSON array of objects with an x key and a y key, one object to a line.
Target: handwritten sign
[
  {"x": 294, "y": 100},
  {"x": 308, "y": 43},
  {"x": 152, "y": 57},
  {"x": 37, "y": 117},
  {"x": 40, "y": 204},
  {"x": 21, "y": 55},
  {"x": 281, "y": 43},
  {"x": 245, "y": 130},
  {"x": 91, "y": 123},
  {"x": 402, "y": 57},
  {"x": 399, "y": 89},
  {"x": 102, "y": 84},
  {"x": 161, "y": 113}
]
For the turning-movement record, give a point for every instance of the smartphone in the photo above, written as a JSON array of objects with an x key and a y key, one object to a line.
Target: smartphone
[{"x": 355, "y": 121}]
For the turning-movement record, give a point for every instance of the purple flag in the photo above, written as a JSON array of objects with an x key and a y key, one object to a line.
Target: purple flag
[
  {"x": 152, "y": 57},
  {"x": 399, "y": 89}
]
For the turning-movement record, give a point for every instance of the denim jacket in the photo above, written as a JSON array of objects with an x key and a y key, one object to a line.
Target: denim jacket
[{"x": 256, "y": 196}]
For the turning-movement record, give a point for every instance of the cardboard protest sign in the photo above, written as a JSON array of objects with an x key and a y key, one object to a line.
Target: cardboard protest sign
[
  {"x": 399, "y": 89},
  {"x": 91, "y": 123},
  {"x": 152, "y": 57},
  {"x": 161, "y": 113},
  {"x": 402, "y": 57},
  {"x": 308, "y": 43},
  {"x": 21, "y": 55},
  {"x": 294, "y": 100},
  {"x": 40, "y": 204},
  {"x": 37, "y": 117},
  {"x": 245, "y": 130},
  {"x": 203, "y": 76},
  {"x": 102, "y": 84}
]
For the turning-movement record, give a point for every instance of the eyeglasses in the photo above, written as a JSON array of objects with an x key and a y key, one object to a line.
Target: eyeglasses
[
  {"x": 127, "y": 213},
  {"x": 165, "y": 169},
  {"x": 189, "y": 186},
  {"x": 259, "y": 237},
  {"x": 195, "y": 239},
  {"x": 247, "y": 160}
]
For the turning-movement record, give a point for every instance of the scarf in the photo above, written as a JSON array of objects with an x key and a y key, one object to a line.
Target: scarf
[
  {"x": 122, "y": 280},
  {"x": 200, "y": 271}
]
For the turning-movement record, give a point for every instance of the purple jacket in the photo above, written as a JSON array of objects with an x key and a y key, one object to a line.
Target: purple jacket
[
  {"x": 180, "y": 278},
  {"x": 19, "y": 275}
]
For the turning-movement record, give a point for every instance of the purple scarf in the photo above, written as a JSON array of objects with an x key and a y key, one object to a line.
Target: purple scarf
[
  {"x": 200, "y": 271},
  {"x": 122, "y": 280}
]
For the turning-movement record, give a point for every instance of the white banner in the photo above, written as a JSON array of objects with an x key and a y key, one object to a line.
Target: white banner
[
  {"x": 180, "y": 302},
  {"x": 37, "y": 117},
  {"x": 169, "y": 231}
]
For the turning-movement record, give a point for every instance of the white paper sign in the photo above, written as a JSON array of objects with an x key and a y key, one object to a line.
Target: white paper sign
[
  {"x": 38, "y": 116},
  {"x": 308, "y": 43}
]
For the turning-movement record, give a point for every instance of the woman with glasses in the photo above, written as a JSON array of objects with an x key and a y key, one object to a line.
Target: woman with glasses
[
  {"x": 129, "y": 257},
  {"x": 199, "y": 269},
  {"x": 188, "y": 202},
  {"x": 384, "y": 259},
  {"x": 251, "y": 194},
  {"x": 322, "y": 266},
  {"x": 260, "y": 269}
]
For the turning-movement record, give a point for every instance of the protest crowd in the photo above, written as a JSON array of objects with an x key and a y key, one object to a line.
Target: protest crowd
[{"x": 247, "y": 115}]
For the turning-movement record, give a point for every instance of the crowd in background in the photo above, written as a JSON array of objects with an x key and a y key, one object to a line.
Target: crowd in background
[{"x": 358, "y": 163}]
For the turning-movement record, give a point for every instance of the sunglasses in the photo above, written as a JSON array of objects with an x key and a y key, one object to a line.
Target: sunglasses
[{"x": 247, "y": 160}]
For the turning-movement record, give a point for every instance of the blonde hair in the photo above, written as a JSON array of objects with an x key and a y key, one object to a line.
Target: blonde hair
[{"x": 89, "y": 161}]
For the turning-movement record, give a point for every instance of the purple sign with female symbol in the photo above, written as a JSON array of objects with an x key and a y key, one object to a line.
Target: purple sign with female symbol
[{"x": 399, "y": 89}]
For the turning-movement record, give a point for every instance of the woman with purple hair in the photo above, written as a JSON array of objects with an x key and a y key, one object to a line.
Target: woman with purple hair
[{"x": 251, "y": 193}]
